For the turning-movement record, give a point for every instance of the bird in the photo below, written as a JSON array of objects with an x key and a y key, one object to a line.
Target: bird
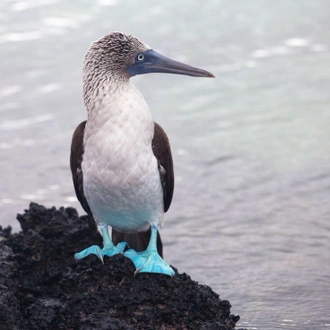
[{"x": 121, "y": 162}]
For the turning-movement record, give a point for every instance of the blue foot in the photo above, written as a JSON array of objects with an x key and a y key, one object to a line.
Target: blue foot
[
  {"x": 148, "y": 262},
  {"x": 100, "y": 253},
  {"x": 109, "y": 249}
]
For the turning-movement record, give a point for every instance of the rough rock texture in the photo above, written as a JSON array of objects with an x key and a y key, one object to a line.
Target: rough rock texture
[{"x": 43, "y": 287}]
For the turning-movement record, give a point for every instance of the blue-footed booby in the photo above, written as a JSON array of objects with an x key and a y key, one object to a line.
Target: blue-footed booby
[{"x": 121, "y": 159}]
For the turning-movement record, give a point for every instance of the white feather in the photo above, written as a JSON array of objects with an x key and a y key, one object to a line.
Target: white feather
[{"x": 120, "y": 172}]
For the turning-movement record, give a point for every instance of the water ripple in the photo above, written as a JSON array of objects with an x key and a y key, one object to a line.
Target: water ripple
[
  {"x": 10, "y": 90},
  {"x": 20, "y": 36},
  {"x": 25, "y": 5},
  {"x": 10, "y": 125}
]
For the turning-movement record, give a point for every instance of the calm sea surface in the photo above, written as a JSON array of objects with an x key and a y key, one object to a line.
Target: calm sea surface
[{"x": 250, "y": 215}]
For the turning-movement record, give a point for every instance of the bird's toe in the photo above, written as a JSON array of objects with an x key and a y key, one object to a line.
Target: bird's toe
[{"x": 149, "y": 262}]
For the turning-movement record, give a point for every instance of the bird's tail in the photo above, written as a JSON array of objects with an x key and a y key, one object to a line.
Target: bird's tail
[{"x": 137, "y": 241}]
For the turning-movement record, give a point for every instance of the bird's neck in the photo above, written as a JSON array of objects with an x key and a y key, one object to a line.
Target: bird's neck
[
  {"x": 117, "y": 105},
  {"x": 108, "y": 91},
  {"x": 97, "y": 87}
]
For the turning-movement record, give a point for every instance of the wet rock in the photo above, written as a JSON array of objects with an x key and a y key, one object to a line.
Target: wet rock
[
  {"x": 10, "y": 316},
  {"x": 43, "y": 287}
]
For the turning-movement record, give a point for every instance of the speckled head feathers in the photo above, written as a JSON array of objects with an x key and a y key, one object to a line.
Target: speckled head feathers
[
  {"x": 105, "y": 64},
  {"x": 113, "y": 53},
  {"x": 113, "y": 59}
]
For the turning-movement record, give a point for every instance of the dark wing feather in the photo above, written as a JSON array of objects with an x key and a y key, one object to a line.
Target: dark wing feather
[
  {"x": 77, "y": 151},
  {"x": 162, "y": 151}
]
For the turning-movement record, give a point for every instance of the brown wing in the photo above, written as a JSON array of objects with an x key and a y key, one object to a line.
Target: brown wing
[
  {"x": 77, "y": 151},
  {"x": 162, "y": 151}
]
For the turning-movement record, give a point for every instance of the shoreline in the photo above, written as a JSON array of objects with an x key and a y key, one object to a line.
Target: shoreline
[{"x": 43, "y": 287}]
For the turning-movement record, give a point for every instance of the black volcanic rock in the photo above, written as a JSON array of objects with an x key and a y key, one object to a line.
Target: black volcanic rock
[{"x": 43, "y": 287}]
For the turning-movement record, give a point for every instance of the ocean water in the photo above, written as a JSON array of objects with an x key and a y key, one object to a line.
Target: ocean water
[{"x": 250, "y": 214}]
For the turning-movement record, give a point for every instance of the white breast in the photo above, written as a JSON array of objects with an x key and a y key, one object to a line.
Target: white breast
[{"x": 120, "y": 172}]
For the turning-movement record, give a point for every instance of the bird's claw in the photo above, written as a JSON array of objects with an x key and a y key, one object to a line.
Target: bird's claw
[
  {"x": 109, "y": 251},
  {"x": 148, "y": 262}
]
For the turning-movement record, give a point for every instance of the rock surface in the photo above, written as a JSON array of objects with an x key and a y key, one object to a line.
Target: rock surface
[{"x": 43, "y": 287}]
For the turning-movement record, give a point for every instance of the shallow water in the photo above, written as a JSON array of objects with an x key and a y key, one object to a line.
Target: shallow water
[{"x": 250, "y": 214}]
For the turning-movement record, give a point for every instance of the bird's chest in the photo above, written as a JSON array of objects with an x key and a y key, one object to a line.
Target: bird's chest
[
  {"x": 120, "y": 171},
  {"x": 119, "y": 153}
]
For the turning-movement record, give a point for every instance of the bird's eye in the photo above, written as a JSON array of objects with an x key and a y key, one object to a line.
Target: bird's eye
[{"x": 140, "y": 57}]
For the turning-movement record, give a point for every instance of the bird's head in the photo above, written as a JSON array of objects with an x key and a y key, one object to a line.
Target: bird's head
[
  {"x": 116, "y": 58},
  {"x": 122, "y": 56}
]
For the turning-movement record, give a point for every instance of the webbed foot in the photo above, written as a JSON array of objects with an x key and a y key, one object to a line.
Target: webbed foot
[
  {"x": 149, "y": 261},
  {"x": 109, "y": 249}
]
